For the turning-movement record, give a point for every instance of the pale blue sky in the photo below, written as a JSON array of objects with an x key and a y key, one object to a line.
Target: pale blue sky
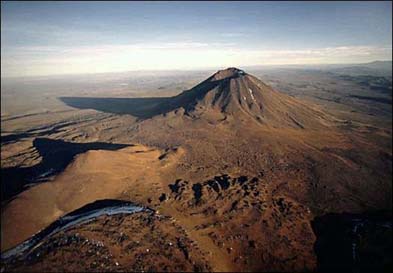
[{"x": 40, "y": 38}]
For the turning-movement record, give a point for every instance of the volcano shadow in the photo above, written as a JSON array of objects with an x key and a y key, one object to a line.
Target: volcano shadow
[
  {"x": 145, "y": 108},
  {"x": 56, "y": 155},
  {"x": 353, "y": 242},
  {"x": 141, "y": 108}
]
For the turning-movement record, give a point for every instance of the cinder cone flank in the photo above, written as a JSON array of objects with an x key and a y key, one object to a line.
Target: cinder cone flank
[{"x": 233, "y": 92}]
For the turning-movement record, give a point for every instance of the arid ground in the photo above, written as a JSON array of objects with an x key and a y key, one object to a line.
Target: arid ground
[{"x": 238, "y": 167}]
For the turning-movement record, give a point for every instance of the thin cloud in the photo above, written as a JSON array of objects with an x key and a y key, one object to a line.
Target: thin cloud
[
  {"x": 232, "y": 34},
  {"x": 177, "y": 55}
]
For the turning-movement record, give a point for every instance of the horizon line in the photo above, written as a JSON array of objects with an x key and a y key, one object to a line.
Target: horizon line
[{"x": 188, "y": 69}]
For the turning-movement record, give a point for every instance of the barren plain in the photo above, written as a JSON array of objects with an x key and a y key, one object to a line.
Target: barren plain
[{"x": 238, "y": 167}]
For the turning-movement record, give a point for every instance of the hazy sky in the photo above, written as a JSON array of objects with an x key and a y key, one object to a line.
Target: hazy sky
[{"x": 43, "y": 38}]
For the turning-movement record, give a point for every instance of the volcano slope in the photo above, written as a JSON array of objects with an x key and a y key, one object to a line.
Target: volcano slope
[{"x": 256, "y": 167}]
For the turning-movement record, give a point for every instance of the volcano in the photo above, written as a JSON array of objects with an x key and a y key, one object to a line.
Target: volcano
[{"x": 233, "y": 93}]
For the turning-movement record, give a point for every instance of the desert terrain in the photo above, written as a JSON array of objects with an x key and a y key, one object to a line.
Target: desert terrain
[{"x": 238, "y": 168}]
